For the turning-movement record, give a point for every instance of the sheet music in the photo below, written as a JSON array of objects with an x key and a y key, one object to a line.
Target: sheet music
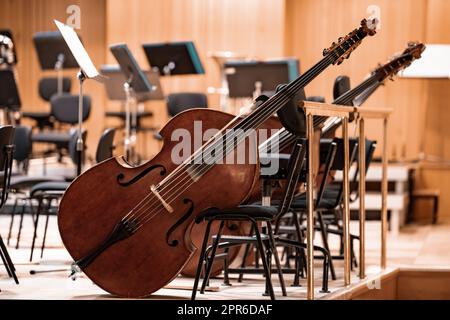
[
  {"x": 434, "y": 63},
  {"x": 78, "y": 51}
]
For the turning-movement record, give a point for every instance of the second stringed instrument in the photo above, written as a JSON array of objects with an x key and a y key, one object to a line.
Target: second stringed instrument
[
  {"x": 127, "y": 228},
  {"x": 355, "y": 96}
]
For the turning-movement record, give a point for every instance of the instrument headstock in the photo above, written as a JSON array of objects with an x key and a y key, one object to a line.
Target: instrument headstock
[
  {"x": 412, "y": 52},
  {"x": 341, "y": 50}
]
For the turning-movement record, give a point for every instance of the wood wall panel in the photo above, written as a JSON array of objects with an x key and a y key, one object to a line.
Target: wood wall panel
[
  {"x": 25, "y": 18},
  {"x": 419, "y": 125},
  {"x": 312, "y": 26},
  {"x": 253, "y": 28}
]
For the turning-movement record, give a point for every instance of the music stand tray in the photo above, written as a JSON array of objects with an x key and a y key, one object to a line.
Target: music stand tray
[
  {"x": 116, "y": 79},
  {"x": 175, "y": 58},
  {"x": 51, "y": 48},
  {"x": 9, "y": 94},
  {"x": 242, "y": 76},
  {"x": 136, "y": 83}
]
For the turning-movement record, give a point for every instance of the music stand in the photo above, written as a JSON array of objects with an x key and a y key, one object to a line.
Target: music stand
[
  {"x": 175, "y": 58},
  {"x": 87, "y": 71},
  {"x": 116, "y": 79},
  {"x": 252, "y": 78},
  {"x": 136, "y": 83},
  {"x": 8, "y": 33},
  {"x": 54, "y": 54}
]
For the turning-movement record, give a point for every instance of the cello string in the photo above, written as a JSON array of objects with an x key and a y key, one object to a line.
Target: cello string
[
  {"x": 310, "y": 74},
  {"x": 265, "y": 113},
  {"x": 244, "y": 136},
  {"x": 344, "y": 99},
  {"x": 204, "y": 149}
]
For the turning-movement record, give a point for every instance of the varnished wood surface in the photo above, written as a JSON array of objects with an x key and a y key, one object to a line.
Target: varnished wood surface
[{"x": 145, "y": 262}]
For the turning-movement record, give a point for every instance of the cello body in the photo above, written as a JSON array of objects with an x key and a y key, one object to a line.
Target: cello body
[{"x": 150, "y": 258}]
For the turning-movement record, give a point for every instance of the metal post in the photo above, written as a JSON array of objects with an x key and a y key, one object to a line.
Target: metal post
[
  {"x": 384, "y": 190},
  {"x": 127, "y": 141},
  {"x": 310, "y": 205},
  {"x": 346, "y": 209},
  {"x": 80, "y": 143},
  {"x": 362, "y": 194}
]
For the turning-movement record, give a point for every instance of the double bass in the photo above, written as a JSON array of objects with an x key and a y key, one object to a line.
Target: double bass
[{"x": 126, "y": 227}]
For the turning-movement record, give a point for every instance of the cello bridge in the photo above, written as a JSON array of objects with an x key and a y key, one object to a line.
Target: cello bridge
[{"x": 164, "y": 203}]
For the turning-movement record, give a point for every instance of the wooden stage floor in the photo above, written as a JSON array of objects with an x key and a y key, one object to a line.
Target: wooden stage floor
[{"x": 415, "y": 246}]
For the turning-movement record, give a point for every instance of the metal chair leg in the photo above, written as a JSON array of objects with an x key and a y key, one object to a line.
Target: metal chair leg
[
  {"x": 47, "y": 211},
  {"x": 5, "y": 263},
  {"x": 325, "y": 243},
  {"x": 36, "y": 222},
  {"x": 277, "y": 259},
  {"x": 296, "y": 282},
  {"x": 11, "y": 221},
  {"x": 201, "y": 260},
  {"x": 300, "y": 240},
  {"x": 226, "y": 263},
  {"x": 9, "y": 263},
  {"x": 326, "y": 267},
  {"x": 19, "y": 233},
  {"x": 248, "y": 246},
  {"x": 264, "y": 261},
  {"x": 211, "y": 258}
]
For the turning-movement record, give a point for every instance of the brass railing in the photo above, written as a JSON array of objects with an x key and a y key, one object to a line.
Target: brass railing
[{"x": 312, "y": 109}]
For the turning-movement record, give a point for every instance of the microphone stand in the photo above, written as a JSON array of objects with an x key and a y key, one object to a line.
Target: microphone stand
[{"x": 59, "y": 69}]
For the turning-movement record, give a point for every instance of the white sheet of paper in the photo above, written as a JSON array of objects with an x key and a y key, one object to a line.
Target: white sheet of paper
[
  {"x": 434, "y": 63},
  {"x": 77, "y": 49}
]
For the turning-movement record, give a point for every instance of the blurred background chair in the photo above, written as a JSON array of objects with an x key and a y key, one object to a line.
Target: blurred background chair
[
  {"x": 47, "y": 194},
  {"x": 48, "y": 87},
  {"x": 64, "y": 109},
  {"x": 6, "y": 160}
]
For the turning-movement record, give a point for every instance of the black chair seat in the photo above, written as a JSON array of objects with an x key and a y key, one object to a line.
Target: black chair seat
[
  {"x": 51, "y": 137},
  {"x": 252, "y": 211},
  {"x": 122, "y": 114},
  {"x": 328, "y": 201},
  {"x": 49, "y": 186},
  {"x": 38, "y": 116},
  {"x": 240, "y": 239},
  {"x": 25, "y": 182}
]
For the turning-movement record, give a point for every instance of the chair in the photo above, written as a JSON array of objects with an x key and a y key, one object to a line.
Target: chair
[
  {"x": 254, "y": 214},
  {"x": 47, "y": 193},
  {"x": 22, "y": 183},
  {"x": 341, "y": 86},
  {"x": 179, "y": 102},
  {"x": 64, "y": 108},
  {"x": 331, "y": 213},
  {"x": 329, "y": 197},
  {"x": 6, "y": 160},
  {"x": 48, "y": 87}
]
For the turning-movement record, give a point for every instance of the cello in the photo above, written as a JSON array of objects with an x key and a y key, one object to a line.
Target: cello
[{"x": 126, "y": 227}]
